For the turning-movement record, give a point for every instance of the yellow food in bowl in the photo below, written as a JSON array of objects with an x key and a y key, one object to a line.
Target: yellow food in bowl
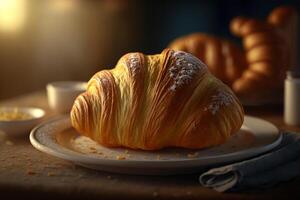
[{"x": 14, "y": 115}]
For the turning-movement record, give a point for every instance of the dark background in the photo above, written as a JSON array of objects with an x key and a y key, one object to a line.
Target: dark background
[
  {"x": 51, "y": 40},
  {"x": 170, "y": 19}
]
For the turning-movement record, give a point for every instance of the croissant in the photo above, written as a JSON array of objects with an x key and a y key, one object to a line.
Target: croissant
[
  {"x": 257, "y": 69},
  {"x": 157, "y": 101},
  {"x": 268, "y": 51}
]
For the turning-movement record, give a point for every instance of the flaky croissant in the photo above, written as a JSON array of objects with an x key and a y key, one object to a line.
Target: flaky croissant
[
  {"x": 157, "y": 101},
  {"x": 259, "y": 67}
]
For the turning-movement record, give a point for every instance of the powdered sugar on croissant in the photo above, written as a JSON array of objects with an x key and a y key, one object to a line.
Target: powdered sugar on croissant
[
  {"x": 157, "y": 101},
  {"x": 183, "y": 68}
]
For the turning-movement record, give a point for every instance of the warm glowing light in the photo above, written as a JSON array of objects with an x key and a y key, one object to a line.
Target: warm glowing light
[{"x": 12, "y": 14}]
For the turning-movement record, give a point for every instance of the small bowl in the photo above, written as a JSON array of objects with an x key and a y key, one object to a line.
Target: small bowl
[
  {"x": 61, "y": 95},
  {"x": 19, "y": 127}
]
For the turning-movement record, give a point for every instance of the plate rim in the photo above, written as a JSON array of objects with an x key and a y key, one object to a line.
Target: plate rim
[{"x": 77, "y": 157}]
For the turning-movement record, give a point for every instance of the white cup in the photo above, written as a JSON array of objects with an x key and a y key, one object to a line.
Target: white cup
[{"x": 61, "y": 94}]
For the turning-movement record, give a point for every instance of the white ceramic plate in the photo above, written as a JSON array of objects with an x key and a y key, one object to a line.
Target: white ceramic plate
[{"x": 56, "y": 137}]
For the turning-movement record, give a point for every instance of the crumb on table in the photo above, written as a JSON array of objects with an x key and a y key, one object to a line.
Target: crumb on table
[
  {"x": 29, "y": 172},
  {"x": 8, "y": 142},
  {"x": 120, "y": 157},
  {"x": 50, "y": 174}
]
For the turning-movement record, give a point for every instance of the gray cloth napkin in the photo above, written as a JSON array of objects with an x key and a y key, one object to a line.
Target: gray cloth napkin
[{"x": 279, "y": 165}]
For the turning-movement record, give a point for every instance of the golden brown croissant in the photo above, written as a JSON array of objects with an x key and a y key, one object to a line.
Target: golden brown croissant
[
  {"x": 267, "y": 50},
  {"x": 157, "y": 101},
  {"x": 258, "y": 68}
]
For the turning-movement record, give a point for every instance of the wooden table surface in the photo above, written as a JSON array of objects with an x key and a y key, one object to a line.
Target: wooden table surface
[{"x": 26, "y": 172}]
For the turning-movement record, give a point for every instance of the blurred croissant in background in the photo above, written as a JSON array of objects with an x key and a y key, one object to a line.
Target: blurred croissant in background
[
  {"x": 257, "y": 70},
  {"x": 156, "y": 101}
]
